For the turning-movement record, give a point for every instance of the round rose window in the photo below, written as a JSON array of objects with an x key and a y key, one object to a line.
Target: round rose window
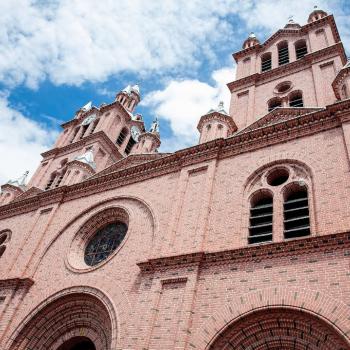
[{"x": 105, "y": 241}]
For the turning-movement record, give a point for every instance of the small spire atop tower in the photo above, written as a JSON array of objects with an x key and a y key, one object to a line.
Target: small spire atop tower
[
  {"x": 129, "y": 97},
  {"x": 316, "y": 14},
  {"x": 155, "y": 126},
  {"x": 19, "y": 182},
  {"x": 251, "y": 41},
  {"x": 291, "y": 24}
]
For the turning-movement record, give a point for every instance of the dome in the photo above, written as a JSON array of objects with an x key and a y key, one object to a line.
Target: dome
[
  {"x": 316, "y": 14},
  {"x": 292, "y": 25},
  {"x": 251, "y": 41}
]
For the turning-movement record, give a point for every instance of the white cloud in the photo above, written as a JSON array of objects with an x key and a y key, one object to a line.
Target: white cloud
[
  {"x": 183, "y": 102},
  {"x": 21, "y": 142},
  {"x": 72, "y": 41}
]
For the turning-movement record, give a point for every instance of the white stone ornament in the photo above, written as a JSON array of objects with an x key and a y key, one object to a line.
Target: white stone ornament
[
  {"x": 135, "y": 133},
  {"x": 89, "y": 119}
]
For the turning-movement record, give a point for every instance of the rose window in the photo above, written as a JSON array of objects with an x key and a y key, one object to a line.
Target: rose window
[{"x": 105, "y": 242}]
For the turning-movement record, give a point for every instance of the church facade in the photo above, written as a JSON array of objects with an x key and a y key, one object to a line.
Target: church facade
[{"x": 241, "y": 242}]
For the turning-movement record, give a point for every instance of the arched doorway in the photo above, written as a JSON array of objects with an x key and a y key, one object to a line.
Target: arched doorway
[
  {"x": 78, "y": 343},
  {"x": 279, "y": 329},
  {"x": 76, "y": 321}
]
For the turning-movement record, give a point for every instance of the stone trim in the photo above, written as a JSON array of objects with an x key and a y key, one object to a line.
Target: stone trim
[
  {"x": 292, "y": 247},
  {"x": 330, "y": 117},
  {"x": 301, "y": 64},
  {"x": 18, "y": 282}
]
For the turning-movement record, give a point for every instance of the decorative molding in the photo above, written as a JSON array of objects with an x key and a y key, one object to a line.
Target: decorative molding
[
  {"x": 16, "y": 282},
  {"x": 330, "y": 117},
  {"x": 306, "y": 62},
  {"x": 220, "y": 117},
  {"x": 255, "y": 253}
]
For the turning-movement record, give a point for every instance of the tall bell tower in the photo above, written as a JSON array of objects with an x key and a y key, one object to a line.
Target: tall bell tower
[
  {"x": 94, "y": 139},
  {"x": 293, "y": 68}
]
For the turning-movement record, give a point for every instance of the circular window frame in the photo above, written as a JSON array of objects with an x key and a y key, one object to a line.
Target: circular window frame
[
  {"x": 279, "y": 85},
  {"x": 274, "y": 172},
  {"x": 75, "y": 258}
]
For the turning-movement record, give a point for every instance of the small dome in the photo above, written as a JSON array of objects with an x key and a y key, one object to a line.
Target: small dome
[
  {"x": 292, "y": 25},
  {"x": 251, "y": 41},
  {"x": 20, "y": 182},
  {"x": 136, "y": 89},
  {"x": 219, "y": 109},
  {"x": 316, "y": 14}
]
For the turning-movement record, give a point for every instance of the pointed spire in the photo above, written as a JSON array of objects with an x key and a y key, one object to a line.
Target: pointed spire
[
  {"x": 20, "y": 182},
  {"x": 87, "y": 158},
  {"x": 87, "y": 107},
  {"x": 155, "y": 126}
]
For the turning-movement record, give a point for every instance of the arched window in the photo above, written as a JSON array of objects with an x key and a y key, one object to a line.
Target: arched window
[
  {"x": 51, "y": 180},
  {"x": 296, "y": 99},
  {"x": 4, "y": 238},
  {"x": 83, "y": 130},
  {"x": 94, "y": 125},
  {"x": 283, "y": 53},
  {"x": 296, "y": 213},
  {"x": 122, "y": 136},
  {"x": 274, "y": 103},
  {"x": 129, "y": 145},
  {"x": 266, "y": 62},
  {"x": 260, "y": 222},
  {"x": 74, "y": 134},
  {"x": 300, "y": 48}
]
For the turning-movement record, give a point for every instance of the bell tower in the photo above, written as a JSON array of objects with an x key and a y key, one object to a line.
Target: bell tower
[
  {"x": 94, "y": 139},
  {"x": 293, "y": 68}
]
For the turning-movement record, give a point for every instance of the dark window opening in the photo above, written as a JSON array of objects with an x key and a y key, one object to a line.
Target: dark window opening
[
  {"x": 78, "y": 343},
  {"x": 59, "y": 180},
  {"x": 281, "y": 88},
  {"x": 296, "y": 100},
  {"x": 83, "y": 131},
  {"x": 266, "y": 62},
  {"x": 260, "y": 228},
  {"x": 296, "y": 214},
  {"x": 277, "y": 177},
  {"x": 122, "y": 136},
  {"x": 129, "y": 145},
  {"x": 300, "y": 49},
  {"x": 52, "y": 179},
  {"x": 274, "y": 103},
  {"x": 283, "y": 53},
  {"x": 75, "y": 134},
  {"x": 94, "y": 126}
]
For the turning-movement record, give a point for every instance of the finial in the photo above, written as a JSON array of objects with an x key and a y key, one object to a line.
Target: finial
[
  {"x": 252, "y": 35},
  {"x": 155, "y": 126},
  {"x": 21, "y": 181},
  {"x": 221, "y": 105},
  {"x": 290, "y": 19},
  {"x": 315, "y": 7}
]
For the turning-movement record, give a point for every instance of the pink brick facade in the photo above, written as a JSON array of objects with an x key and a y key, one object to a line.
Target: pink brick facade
[{"x": 186, "y": 276}]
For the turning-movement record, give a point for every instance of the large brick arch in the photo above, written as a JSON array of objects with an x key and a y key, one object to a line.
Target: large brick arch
[
  {"x": 332, "y": 312},
  {"x": 76, "y": 311}
]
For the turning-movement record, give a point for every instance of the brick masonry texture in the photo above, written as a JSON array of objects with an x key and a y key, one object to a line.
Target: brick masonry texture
[{"x": 184, "y": 276}]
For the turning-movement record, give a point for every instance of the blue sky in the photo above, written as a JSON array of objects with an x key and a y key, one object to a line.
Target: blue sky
[{"x": 57, "y": 55}]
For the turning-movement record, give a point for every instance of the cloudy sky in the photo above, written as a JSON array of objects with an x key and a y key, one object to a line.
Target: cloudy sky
[{"x": 56, "y": 55}]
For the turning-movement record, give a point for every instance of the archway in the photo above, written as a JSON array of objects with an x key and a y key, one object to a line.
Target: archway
[
  {"x": 74, "y": 321},
  {"x": 78, "y": 343},
  {"x": 279, "y": 329}
]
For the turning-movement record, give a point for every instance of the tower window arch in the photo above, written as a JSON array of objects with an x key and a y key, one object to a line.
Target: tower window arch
[
  {"x": 122, "y": 135},
  {"x": 296, "y": 212},
  {"x": 260, "y": 221},
  {"x": 300, "y": 48},
  {"x": 296, "y": 99},
  {"x": 51, "y": 181},
  {"x": 94, "y": 125},
  {"x": 129, "y": 145},
  {"x": 274, "y": 103},
  {"x": 283, "y": 53},
  {"x": 4, "y": 238},
  {"x": 266, "y": 62}
]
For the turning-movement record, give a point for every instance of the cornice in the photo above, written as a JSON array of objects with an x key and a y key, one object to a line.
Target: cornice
[
  {"x": 97, "y": 136},
  {"x": 254, "y": 253},
  {"x": 306, "y": 62},
  {"x": 16, "y": 283},
  {"x": 265, "y": 136},
  {"x": 290, "y": 32}
]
